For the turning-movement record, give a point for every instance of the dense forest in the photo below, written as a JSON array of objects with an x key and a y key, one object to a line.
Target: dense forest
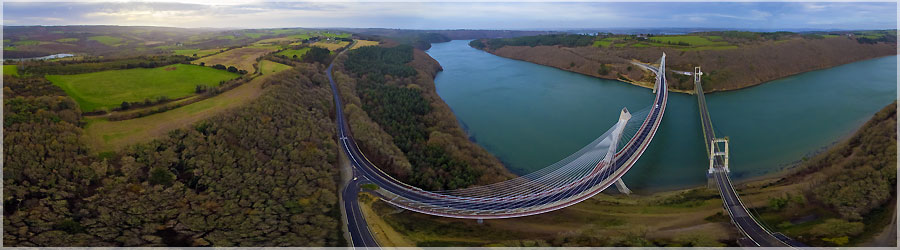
[
  {"x": 259, "y": 175},
  {"x": 403, "y": 126},
  {"x": 567, "y": 40},
  {"x": 422, "y": 39},
  {"x": 855, "y": 182}
]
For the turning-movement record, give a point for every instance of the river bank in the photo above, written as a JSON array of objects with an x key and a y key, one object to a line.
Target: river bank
[
  {"x": 727, "y": 69},
  {"x": 687, "y": 217},
  {"x": 529, "y": 115}
]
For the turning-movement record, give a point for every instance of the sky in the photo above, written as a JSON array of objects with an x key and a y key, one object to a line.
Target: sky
[{"x": 459, "y": 15}]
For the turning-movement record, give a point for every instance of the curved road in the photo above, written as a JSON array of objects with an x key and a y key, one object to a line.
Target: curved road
[{"x": 363, "y": 170}]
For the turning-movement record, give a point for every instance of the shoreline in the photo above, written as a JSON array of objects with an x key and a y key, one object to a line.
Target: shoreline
[
  {"x": 783, "y": 170},
  {"x": 707, "y": 90}
]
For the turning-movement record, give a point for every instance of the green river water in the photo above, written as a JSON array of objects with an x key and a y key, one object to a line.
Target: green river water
[{"x": 530, "y": 116}]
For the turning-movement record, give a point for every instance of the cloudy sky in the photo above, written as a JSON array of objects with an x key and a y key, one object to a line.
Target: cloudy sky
[{"x": 457, "y": 15}]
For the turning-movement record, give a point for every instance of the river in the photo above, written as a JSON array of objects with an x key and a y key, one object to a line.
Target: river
[{"x": 530, "y": 115}]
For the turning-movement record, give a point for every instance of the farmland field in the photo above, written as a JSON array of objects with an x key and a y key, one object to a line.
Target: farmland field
[
  {"x": 103, "y": 135},
  {"x": 605, "y": 42},
  {"x": 275, "y": 40},
  {"x": 341, "y": 35},
  {"x": 363, "y": 43},
  {"x": 199, "y": 52},
  {"x": 10, "y": 70},
  {"x": 108, "y": 40},
  {"x": 268, "y": 67},
  {"x": 26, "y": 42},
  {"x": 331, "y": 46},
  {"x": 67, "y": 40},
  {"x": 692, "y": 40},
  {"x": 290, "y": 53},
  {"x": 300, "y": 36},
  {"x": 108, "y": 89},
  {"x": 241, "y": 58}
]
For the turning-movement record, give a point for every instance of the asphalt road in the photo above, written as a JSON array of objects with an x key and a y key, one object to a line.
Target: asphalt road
[
  {"x": 741, "y": 217},
  {"x": 360, "y": 236},
  {"x": 367, "y": 170}
]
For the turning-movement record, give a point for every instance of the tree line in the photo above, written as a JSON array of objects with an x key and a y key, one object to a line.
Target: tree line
[
  {"x": 396, "y": 93},
  {"x": 566, "y": 40},
  {"x": 260, "y": 175}
]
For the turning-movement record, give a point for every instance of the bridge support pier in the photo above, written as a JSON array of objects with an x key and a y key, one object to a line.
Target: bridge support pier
[{"x": 620, "y": 185}]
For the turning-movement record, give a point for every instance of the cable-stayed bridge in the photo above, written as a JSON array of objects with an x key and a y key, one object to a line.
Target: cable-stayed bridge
[{"x": 580, "y": 176}]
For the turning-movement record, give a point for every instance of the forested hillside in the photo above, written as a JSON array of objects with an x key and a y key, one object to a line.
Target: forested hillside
[
  {"x": 260, "y": 175},
  {"x": 402, "y": 124},
  {"x": 730, "y": 60},
  {"x": 855, "y": 182}
]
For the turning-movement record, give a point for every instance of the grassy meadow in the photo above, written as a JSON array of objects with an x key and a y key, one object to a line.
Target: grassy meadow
[
  {"x": 103, "y": 135},
  {"x": 269, "y": 67},
  {"x": 198, "y": 52},
  {"x": 67, "y": 40},
  {"x": 107, "y": 40},
  {"x": 10, "y": 70},
  {"x": 692, "y": 40},
  {"x": 108, "y": 89},
  {"x": 290, "y": 53}
]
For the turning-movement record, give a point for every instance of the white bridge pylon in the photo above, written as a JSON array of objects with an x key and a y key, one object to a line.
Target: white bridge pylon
[
  {"x": 714, "y": 152},
  {"x": 580, "y": 176}
]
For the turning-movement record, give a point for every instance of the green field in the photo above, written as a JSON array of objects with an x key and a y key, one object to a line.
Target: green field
[
  {"x": 255, "y": 35},
  {"x": 605, "y": 42},
  {"x": 693, "y": 40},
  {"x": 290, "y": 53},
  {"x": 107, "y": 40},
  {"x": 104, "y": 135},
  {"x": 26, "y": 42},
  {"x": 10, "y": 70},
  {"x": 268, "y": 67},
  {"x": 67, "y": 40},
  {"x": 199, "y": 52},
  {"x": 108, "y": 89},
  {"x": 341, "y": 35}
]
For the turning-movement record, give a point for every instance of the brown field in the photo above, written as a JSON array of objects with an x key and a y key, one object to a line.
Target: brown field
[
  {"x": 611, "y": 215},
  {"x": 241, "y": 58},
  {"x": 330, "y": 45},
  {"x": 663, "y": 217},
  {"x": 278, "y": 40},
  {"x": 363, "y": 43}
]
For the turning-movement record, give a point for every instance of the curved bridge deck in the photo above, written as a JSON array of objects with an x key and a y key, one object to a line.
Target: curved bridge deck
[{"x": 418, "y": 200}]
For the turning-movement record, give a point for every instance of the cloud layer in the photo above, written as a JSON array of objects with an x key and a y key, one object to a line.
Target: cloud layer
[{"x": 415, "y": 15}]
